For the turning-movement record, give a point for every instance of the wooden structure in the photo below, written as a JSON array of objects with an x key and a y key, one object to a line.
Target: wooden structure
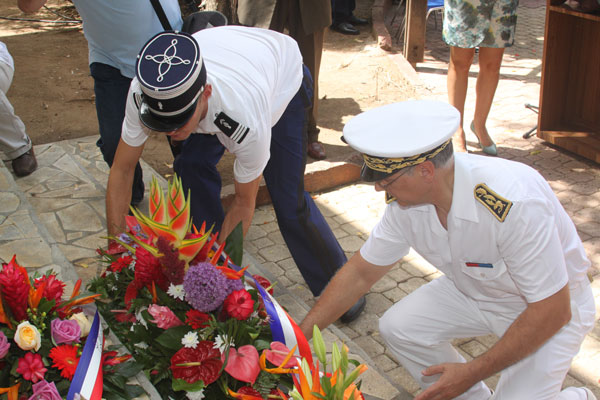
[
  {"x": 414, "y": 38},
  {"x": 569, "y": 114}
]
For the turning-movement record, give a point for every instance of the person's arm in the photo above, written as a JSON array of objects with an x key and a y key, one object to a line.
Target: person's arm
[
  {"x": 241, "y": 209},
  {"x": 30, "y": 6},
  {"x": 538, "y": 323},
  {"x": 118, "y": 189},
  {"x": 357, "y": 274}
]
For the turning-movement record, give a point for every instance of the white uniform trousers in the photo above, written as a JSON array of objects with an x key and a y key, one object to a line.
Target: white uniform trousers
[
  {"x": 14, "y": 142},
  {"x": 419, "y": 329}
]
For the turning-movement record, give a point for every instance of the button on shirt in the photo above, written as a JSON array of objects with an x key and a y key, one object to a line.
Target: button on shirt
[
  {"x": 526, "y": 258},
  {"x": 254, "y": 74}
]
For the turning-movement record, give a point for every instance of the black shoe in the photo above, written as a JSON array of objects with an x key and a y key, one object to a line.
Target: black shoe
[
  {"x": 354, "y": 20},
  {"x": 346, "y": 28},
  {"x": 354, "y": 311},
  {"x": 25, "y": 164}
]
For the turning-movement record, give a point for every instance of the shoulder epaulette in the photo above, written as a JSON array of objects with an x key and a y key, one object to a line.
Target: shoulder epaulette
[
  {"x": 496, "y": 204},
  {"x": 230, "y": 127}
]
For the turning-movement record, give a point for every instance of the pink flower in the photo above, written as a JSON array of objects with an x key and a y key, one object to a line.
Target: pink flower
[
  {"x": 4, "y": 345},
  {"x": 45, "y": 391},
  {"x": 239, "y": 304},
  {"x": 31, "y": 367},
  {"x": 65, "y": 331},
  {"x": 163, "y": 317},
  {"x": 278, "y": 353}
]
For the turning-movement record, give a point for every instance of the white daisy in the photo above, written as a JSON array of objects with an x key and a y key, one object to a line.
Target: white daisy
[
  {"x": 190, "y": 340},
  {"x": 199, "y": 395},
  {"x": 222, "y": 342},
  {"x": 176, "y": 291}
]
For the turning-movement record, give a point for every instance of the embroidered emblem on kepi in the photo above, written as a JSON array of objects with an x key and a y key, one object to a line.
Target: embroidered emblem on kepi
[
  {"x": 496, "y": 204},
  {"x": 230, "y": 127},
  {"x": 171, "y": 74},
  {"x": 479, "y": 265}
]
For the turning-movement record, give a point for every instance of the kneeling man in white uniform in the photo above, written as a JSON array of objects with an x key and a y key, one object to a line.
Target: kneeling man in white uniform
[{"x": 512, "y": 261}]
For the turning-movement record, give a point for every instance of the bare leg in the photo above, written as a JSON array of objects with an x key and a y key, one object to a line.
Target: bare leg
[
  {"x": 458, "y": 79},
  {"x": 487, "y": 82}
]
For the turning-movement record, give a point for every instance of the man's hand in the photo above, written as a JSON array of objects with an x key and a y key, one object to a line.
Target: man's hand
[{"x": 456, "y": 379}]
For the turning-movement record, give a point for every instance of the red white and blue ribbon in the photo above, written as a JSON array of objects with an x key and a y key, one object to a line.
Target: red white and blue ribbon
[
  {"x": 87, "y": 381},
  {"x": 283, "y": 328}
]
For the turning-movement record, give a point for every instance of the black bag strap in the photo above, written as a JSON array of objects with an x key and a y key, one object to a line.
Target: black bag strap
[{"x": 160, "y": 13}]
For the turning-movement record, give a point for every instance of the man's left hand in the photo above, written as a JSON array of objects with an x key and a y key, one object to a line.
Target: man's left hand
[{"x": 455, "y": 379}]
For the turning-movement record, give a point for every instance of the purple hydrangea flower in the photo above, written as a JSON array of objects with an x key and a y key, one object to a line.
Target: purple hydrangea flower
[{"x": 205, "y": 287}]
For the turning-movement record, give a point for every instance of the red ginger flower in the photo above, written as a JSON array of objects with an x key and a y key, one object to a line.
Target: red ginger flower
[
  {"x": 239, "y": 304},
  {"x": 148, "y": 270},
  {"x": 14, "y": 284},
  {"x": 202, "y": 363},
  {"x": 196, "y": 319},
  {"x": 31, "y": 367},
  {"x": 54, "y": 288},
  {"x": 64, "y": 357}
]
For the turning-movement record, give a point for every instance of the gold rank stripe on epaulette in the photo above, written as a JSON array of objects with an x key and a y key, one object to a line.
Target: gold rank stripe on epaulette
[{"x": 497, "y": 204}]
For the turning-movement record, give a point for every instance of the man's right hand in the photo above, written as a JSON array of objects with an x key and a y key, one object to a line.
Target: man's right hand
[{"x": 118, "y": 189}]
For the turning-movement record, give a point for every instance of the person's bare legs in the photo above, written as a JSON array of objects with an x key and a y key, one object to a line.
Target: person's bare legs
[
  {"x": 458, "y": 79},
  {"x": 487, "y": 81}
]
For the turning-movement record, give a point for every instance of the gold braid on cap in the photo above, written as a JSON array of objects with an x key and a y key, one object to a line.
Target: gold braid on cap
[{"x": 388, "y": 165}]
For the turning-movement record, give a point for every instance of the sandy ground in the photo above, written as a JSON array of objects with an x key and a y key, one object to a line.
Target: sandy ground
[{"x": 53, "y": 93}]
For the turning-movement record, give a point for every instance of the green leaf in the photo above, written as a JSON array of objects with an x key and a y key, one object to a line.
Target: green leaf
[
  {"x": 180, "y": 384},
  {"x": 171, "y": 338},
  {"x": 234, "y": 245},
  {"x": 306, "y": 371}
]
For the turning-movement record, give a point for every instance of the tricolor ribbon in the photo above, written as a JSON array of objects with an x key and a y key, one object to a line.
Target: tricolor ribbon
[
  {"x": 87, "y": 382},
  {"x": 283, "y": 328}
]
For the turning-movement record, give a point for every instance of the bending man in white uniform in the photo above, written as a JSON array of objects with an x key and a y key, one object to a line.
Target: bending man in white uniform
[{"x": 513, "y": 263}]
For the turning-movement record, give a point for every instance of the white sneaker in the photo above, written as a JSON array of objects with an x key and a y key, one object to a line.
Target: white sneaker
[{"x": 589, "y": 393}]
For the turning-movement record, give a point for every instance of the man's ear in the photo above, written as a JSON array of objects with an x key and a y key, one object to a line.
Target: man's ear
[
  {"x": 207, "y": 91},
  {"x": 426, "y": 170}
]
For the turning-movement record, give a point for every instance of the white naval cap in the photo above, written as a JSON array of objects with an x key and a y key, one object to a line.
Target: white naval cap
[{"x": 400, "y": 135}]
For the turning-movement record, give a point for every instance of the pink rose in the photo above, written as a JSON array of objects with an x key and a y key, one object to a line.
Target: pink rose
[
  {"x": 163, "y": 317},
  {"x": 4, "y": 345},
  {"x": 65, "y": 331},
  {"x": 45, "y": 391}
]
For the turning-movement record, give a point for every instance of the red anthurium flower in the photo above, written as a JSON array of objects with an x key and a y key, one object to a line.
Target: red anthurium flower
[
  {"x": 200, "y": 363},
  {"x": 243, "y": 363},
  {"x": 31, "y": 367},
  {"x": 278, "y": 353},
  {"x": 239, "y": 304},
  {"x": 246, "y": 393},
  {"x": 196, "y": 319}
]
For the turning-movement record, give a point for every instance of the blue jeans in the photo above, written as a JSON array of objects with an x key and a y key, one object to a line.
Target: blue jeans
[
  {"x": 111, "y": 90},
  {"x": 311, "y": 242}
]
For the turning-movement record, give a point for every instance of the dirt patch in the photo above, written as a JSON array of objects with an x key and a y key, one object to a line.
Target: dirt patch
[{"x": 53, "y": 93}]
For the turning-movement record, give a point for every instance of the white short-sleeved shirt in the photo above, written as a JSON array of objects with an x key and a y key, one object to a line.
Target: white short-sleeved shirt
[
  {"x": 5, "y": 56},
  {"x": 527, "y": 257},
  {"x": 254, "y": 74}
]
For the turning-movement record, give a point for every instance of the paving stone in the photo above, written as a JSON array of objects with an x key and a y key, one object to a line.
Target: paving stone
[
  {"x": 474, "y": 348},
  {"x": 80, "y": 217},
  {"x": 351, "y": 243},
  {"x": 31, "y": 253},
  {"x": 377, "y": 303},
  {"x": 10, "y": 201}
]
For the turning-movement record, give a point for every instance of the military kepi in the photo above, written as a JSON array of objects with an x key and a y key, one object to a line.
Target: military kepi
[
  {"x": 400, "y": 135},
  {"x": 172, "y": 75}
]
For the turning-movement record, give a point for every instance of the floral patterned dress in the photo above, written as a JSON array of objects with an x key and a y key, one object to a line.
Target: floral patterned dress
[{"x": 483, "y": 23}]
